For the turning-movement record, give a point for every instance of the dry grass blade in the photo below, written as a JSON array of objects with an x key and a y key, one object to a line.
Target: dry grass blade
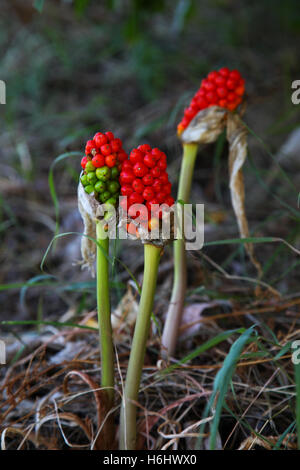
[{"x": 104, "y": 438}]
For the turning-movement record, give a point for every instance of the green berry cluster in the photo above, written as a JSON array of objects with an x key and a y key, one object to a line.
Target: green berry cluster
[{"x": 103, "y": 182}]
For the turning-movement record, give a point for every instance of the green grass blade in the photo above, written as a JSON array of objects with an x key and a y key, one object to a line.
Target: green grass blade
[
  {"x": 221, "y": 384},
  {"x": 32, "y": 283},
  {"x": 204, "y": 347},
  {"x": 297, "y": 381},
  {"x": 289, "y": 429},
  {"x": 50, "y": 323}
]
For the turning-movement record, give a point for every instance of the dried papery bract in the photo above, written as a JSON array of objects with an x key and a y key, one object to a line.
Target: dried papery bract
[
  {"x": 237, "y": 139},
  {"x": 87, "y": 206}
]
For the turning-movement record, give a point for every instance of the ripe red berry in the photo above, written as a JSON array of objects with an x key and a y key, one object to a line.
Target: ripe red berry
[
  {"x": 202, "y": 103},
  {"x": 109, "y": 135},
  {"x": 231, "y": 96},
  {"x": 240, "y": 90},
  {"x": 169, "y": 201},
  {"x": 231, "y": 84},
  {"x": 164, "y": 177},
  {"x": 140, "y": 169},
  {"x": 149, "y": 160},
  {"x": 116, "y": 145},
  {"x": 221, "y": 92},
  {"x": 156, "y": 153},
  {"x": 224, "y": 71},
  {"x": 162, "y": 165},
  {"x": 90, "y": 145},
  {"x": 211, "y": 97},
  {"x": 160, "y": 195},
  {"x": 98, "y": 160},
  {"x": 136, "y": 156},
  {"x": 138, "y": 186},
  {"x": 148, "y": 193},
  {"x": 151, "y": 203},
  {"x": 235, "y": 75},
  {"x": 148, "y": 179},
  {"x": 84, "y": 161},
  {"x": 144, "y": 148},
  {"x": 157, "y": 186},
  {"x": 223, "y": 103},
  {"x": 135, "y": 198},
  {"x": 106, "y": 149},
  {"x": 100, "y": 139},
  {"x": 122, "y": 156},
  {"x": 155, "y": 172},
  {"x": 212, "y": 75},
  {"x": 210, "y": 86},
  {"x": 126, "y": 176},
  {"x": 126, "y": 190},
  {"x": 220, "y": 81},
  {"x": 167, "y": 188},
  {"x": 111, "y": 160},
  {"x": 126, "y": 165}
]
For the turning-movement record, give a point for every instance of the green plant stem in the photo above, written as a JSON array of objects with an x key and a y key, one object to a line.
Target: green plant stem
[
  {"x": 174, "y": 314},
  {"x": 136, "y": 360},
  {"x": 104, "y": 318}
]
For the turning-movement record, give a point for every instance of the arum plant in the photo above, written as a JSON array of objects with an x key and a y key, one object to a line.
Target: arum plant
[
  {"x": 99, "y": 185},
  {"x": 145, "y": 184},
  {"x": 212, "y": 109}
]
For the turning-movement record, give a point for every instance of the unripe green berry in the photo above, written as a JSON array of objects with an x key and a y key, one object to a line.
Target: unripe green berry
[
  {"x": 103, "y": 173},
  {"x": 105, "y": 196},
  {"x": 112, "y": 201},
  {"x": 113, "y": 186},
  {"x": 84, "y": 180},
  {"x": 115, "y": 173},
  {"x": 91, "y": 177},
  {"x": 100, "y": 186},
  {"x": 89, "y": 188},
  {"x": 89, "y": 167}
]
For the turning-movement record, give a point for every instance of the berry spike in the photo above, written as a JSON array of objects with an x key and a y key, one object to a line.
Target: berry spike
[
  {"x": 101, "y": 165},
  {"x": 224, "y": 88}
]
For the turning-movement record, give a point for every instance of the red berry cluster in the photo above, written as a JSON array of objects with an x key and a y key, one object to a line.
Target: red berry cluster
[
  {"x": 144, "y": 180},
  {"x": 103, "y": 150},
  {"x": 224, "y": 88}
]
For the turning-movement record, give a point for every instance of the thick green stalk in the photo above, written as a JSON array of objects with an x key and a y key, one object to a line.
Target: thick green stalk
[
  {"x": 138, "y": 349},
  {"x": 174, "y": 315},
  {"x": 104, "y": 318}
]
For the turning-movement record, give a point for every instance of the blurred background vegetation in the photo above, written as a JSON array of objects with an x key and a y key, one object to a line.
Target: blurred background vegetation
[{"x": 76, "y": 67}]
